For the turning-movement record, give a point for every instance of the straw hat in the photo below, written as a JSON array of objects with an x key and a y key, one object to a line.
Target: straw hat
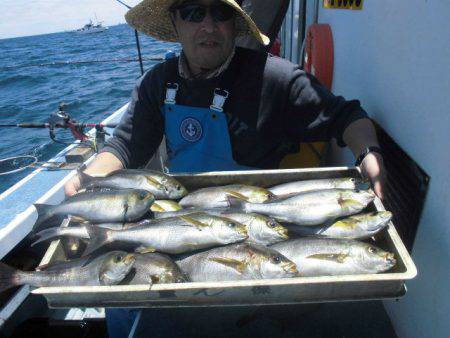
[{"x": 152, "y": 17}]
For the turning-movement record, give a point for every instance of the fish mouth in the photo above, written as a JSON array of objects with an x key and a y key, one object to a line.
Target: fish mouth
[
  {"x": 243, "y": 231},
  {"x": 390, "y": 258}
]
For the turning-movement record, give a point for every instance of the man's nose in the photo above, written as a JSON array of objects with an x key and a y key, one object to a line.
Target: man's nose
[{"x": 208, "y": 23}]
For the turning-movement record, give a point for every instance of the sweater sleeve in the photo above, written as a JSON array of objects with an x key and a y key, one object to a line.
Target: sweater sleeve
[
  {"x": 141, "y": 128},
  {"x": 314, "y": 113}
]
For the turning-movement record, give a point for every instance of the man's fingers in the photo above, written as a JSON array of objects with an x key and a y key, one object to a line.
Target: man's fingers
[{"x": 378, "y": 189}]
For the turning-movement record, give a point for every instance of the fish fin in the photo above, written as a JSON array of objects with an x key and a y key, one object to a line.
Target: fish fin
[
  {"x": 78, "y": 219},
  {"x": 44, "y": 212},
  {"x": 155, "y": 207},
  {"x": 45, "y": 235},
  {"x": 85, "y": 179},
  {"x": 236, "y": 203},
  {"x": 153, "y": 181},
  {"x": 231, "y": 263},
  {"x": 97, "y": 238},
  {"x": 337, "y": 257},
  {"x": 144, "y": 249},
  {"x": 237, "y": 195},
  {"x": 8, "y": 277},
  {"x": 199, "y": 225}
]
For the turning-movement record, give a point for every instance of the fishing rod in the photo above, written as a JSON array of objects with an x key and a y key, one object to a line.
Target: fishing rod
[
  {"x": 57, "y": 120},
  {"x": 62, "y": 120},
  {"x": 138, "y": 45},
  {"x": 80, "y": 62}
]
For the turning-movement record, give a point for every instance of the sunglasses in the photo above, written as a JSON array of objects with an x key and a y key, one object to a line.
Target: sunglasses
[{"x": 192, "y": 12}]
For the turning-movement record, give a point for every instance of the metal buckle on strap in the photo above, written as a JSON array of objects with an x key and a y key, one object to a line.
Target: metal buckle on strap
[
  {"x": 171, "y": 93},
  {"x": 220, "y": 96}
]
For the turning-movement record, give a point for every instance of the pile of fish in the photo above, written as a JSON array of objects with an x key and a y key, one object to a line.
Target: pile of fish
[{"x": 154, "y": 231}]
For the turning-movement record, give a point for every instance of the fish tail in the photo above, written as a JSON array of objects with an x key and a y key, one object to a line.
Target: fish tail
[
  {"x": 8, "y": 277},
  {"x": 97, "y": 238},
  {"x": 50, "y": 233},
  {"x": 45, "y": 212},
  {"x": 236, "y": 203}
]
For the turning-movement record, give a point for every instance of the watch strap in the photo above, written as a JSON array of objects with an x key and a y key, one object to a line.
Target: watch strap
[{"x": 372, "y": 149}]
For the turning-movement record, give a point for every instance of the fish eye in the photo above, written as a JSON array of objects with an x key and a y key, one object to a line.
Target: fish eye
[
  {"x": 178, "y": 187},
  {"x": 142, "y": 195},
  {"x": 231, "y": 225},
  {"x": 372, "y": 250},
  {"x": 118, "y": 259},
  {"x": 270, "y": 196},
  {"x": 276, "y": 259},
  {"x": 353, "y": 180},
  {"x": 272, "y": 224}
]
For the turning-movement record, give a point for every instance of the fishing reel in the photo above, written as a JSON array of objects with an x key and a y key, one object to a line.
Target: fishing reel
[{"x": 61, "y": 119}]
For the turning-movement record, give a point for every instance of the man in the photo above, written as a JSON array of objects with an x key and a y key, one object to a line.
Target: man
[{"x": 223, "y": 108}]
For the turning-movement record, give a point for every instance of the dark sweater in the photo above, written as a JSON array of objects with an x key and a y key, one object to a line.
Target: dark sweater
[{"x": 273, "y": 106}]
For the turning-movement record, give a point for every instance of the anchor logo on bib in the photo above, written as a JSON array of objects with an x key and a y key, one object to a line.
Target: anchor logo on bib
[{"x": 191, "y": 129}]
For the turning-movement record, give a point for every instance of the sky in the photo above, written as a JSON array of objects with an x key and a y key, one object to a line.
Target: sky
[{"x": 34, "y": 17}]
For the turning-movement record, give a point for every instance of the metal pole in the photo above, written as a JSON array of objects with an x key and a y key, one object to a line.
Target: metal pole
[
  {"x": 139, "y": 51},
  {"x": 316, "y": 11}
]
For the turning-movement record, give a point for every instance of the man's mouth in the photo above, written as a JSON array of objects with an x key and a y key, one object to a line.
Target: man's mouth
[{"x": 209, "y": 44}]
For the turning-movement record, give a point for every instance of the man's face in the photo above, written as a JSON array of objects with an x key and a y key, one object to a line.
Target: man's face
[{"x": 206, "y": 44}]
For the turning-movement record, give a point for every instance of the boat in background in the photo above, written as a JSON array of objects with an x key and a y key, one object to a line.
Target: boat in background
[{"x": 91, "y": 27}]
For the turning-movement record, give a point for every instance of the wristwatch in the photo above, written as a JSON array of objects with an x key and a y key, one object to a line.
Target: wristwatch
[{"x": 367, "y": 150}]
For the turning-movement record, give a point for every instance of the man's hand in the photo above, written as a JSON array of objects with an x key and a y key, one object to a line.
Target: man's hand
[
  {"x": 372, "y": 168},
  {"x": 103, "y": 164}
]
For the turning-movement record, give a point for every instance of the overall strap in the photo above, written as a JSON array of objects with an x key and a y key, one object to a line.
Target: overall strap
[
  {"x": 171, "y": 78},
  {"x": 225, "y": 85}
]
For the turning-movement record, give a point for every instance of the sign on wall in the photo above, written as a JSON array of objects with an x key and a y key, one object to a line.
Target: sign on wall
[{"x": 343, "y": 4}]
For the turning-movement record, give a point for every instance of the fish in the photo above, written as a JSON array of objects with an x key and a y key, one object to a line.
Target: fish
[
  {"x": 241, "y": 261},
  {"x": 330, "y": 257},
  {"x": 107, "y": 269},
  {"x": 298, "y": 187},
  {"x": 162, "y": 186},
  {"x": 261, "y": 229},
  {"x": 173, "y": 235},
  {"x": 99, "y": 206},
  {"x": 360, "y": 226},
  {"x": 309, "y": 208},
  {"x": 217, "y": 197},
  {"x": 165, "y": 206},
  {"x": 154, "y": 268}
]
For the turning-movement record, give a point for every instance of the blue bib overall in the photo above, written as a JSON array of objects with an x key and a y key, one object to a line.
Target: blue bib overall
[{"x": 197, "y": 138}]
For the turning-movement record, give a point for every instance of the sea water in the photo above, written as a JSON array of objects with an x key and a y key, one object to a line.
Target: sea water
[{"x": 88, "y": 72}]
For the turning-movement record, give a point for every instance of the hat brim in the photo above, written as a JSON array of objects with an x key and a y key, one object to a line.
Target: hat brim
[{"x": 152, "y": 17}]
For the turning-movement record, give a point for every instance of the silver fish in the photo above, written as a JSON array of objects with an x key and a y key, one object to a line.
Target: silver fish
[
  {"x": 173, "y": 235},
  {"x": 328, "y": 257},
  {"x": 217, "y": 197},
  {"x": 100, "y": 206},
  {"x": 154, "y": 268},
  {"x": 159, "y": 184},
  {"x": 261, "y": 229},
  {"x": 237, "y": 262},
  {"x": 108, "y": 269},
  {"x": 298, "y": 187},
  {"x": 309, "y": 208},
  {"x": 359, "y": 226}
]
